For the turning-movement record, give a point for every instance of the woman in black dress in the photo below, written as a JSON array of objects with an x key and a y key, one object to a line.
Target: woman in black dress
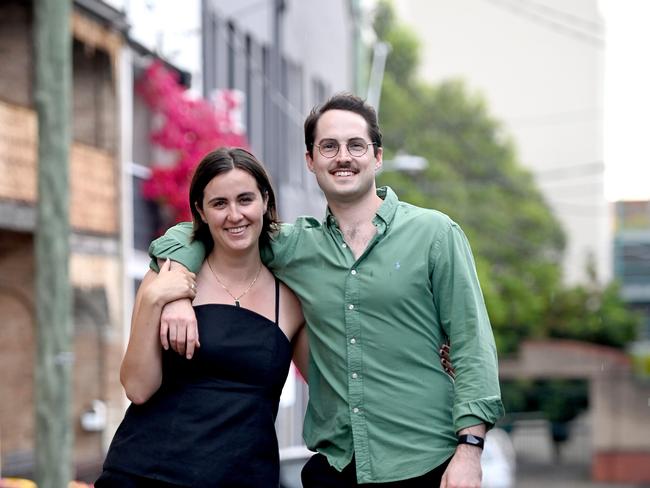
[{"x": 209, "y": 421}]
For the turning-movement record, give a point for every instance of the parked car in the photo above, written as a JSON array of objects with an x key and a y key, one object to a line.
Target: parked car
[
  {"x": 292, "y": 459},
  {"x": 497, "y": 462}
]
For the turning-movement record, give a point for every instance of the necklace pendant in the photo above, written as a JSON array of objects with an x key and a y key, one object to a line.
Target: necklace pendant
[{"x": 237, "y": 303}]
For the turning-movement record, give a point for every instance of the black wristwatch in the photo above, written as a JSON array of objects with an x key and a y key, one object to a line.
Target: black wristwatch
[{"x": 472, "y": 440}]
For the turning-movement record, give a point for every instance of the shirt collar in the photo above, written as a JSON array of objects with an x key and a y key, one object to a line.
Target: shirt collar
[{"x": 385, "y": 212}]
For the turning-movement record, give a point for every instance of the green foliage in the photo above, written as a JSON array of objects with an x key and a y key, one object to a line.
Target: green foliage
[
  {"x": 593, "y": 314},
  {"x": 473, "y": 176},
  {"x": 558, "y": 401}
]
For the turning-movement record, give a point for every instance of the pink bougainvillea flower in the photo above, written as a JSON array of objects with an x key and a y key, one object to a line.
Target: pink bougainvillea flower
[{"x": 189, "y": 128}]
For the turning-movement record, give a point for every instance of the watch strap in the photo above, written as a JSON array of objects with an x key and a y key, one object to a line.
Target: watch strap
[{"x": 472, "y": 440}]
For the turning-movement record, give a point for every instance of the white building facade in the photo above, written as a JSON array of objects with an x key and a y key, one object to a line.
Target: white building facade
[{"x": 540, "y": 67}]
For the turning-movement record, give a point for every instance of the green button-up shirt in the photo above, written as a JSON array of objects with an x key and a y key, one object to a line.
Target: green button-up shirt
[{"x": 375, "y": 324}]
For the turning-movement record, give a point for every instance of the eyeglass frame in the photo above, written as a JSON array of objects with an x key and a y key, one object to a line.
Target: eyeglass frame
[{"x": 338, "y": 149}]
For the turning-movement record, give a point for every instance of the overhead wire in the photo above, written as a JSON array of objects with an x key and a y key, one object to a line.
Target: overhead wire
[
  {"x": 581, "y": 116},
  {"x": 523, "y": 9},
  {"x": 577, "y": 170},
  {"x": 595, "y": 26}
]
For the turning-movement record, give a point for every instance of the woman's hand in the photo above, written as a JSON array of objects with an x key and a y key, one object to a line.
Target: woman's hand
[
  {"x": 445, "y": 361},
  {"x": 170, "y": 285}
]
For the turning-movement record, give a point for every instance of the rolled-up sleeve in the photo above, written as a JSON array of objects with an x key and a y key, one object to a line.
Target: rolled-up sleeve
[
  {"x": 177, "y": 245},
  {"x": 458, "y": 298}
]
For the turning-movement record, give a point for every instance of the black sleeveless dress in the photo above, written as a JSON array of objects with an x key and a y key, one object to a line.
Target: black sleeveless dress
[{"x": 211, "y": 423}]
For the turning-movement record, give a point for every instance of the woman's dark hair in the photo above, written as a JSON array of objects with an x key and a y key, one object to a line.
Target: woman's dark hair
[
  {"x": 219, "y": 162},
  {"x": 350, "y": 103}
]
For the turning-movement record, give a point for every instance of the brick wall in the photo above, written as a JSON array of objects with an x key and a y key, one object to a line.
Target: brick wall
[
  {"x": 17, "y": 153},
  {"x": 16, "y": 41},
  {"x": 94, "y": 213},
  {"x": 16, "y": 343},
  {"x": 93, "y": 164},
  {"x": 93, "y": 173},
  {"x": 98, "y": 345}
]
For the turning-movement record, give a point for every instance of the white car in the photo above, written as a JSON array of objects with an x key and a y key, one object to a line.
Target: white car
[
  {"x": 292, "y": 459},
  {"x": 498, "y": 460}
]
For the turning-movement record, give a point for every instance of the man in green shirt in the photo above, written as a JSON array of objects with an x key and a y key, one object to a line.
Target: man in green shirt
[{"x": 382, "y": 285}]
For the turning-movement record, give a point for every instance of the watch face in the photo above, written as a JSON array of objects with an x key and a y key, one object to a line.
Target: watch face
[{"x": 470, "y": 439}]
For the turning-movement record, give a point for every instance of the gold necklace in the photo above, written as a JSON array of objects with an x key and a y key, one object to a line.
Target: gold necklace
[{"x": 228, "y": 291}]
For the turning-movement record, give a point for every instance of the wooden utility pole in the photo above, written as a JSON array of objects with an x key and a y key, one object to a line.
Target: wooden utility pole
[{"x": 53, "y": 385}]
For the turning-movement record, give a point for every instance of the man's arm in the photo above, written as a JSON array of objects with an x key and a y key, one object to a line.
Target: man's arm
[
  {"x": 477, "y": 399},
  {"x": 177, "y": 245},
  {"x": 178, "y": 320},
  {"x": 464, "y": 469},
  {"x": 178, "y": 327},
  {"x": 464, "y": 318}
]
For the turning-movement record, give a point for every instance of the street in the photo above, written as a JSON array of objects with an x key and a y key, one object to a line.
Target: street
[{"x": 536, "y": 464}]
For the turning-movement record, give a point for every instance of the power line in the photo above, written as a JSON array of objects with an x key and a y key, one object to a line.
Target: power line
[
  {"x": 519, "y": 8},
  {"x": 582, "y": 169},
  {"x": 595, "y": 27},
  {"x": 588, "y": 115},
  {"x": 581, "y": 188},
  {"x": 558, "y": 115}
]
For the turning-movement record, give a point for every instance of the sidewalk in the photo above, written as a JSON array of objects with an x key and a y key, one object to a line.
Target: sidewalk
[
  {"x": 535, "y": 475},
  {"x": 536, "y": 464}
]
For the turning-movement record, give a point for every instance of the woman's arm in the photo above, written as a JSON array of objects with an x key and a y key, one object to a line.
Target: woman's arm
[{"x": 141, "y": 371}]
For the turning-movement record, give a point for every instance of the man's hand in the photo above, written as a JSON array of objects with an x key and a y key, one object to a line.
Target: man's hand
[
  {"x": 464, "y": 469},
  {"x": 178, "y": 327}
]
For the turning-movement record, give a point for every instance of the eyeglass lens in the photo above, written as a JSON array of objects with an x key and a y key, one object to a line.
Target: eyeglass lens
[{"x": 330, "y": 147}]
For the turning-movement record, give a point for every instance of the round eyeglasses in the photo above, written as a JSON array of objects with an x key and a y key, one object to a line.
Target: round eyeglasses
[{"x": 356, "y": 147}]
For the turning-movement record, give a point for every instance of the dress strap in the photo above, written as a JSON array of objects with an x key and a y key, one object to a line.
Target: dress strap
[{"x": 277, "y": 301}]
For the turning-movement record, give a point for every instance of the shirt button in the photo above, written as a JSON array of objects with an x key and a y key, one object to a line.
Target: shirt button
[
  {"x": 351, "y": 307},
  {"x": 353, "y": 341},
  {"x": 355, "y": 376},
  {"x": 355, "y": 410},
  {"x": 344, "y": 245},
  {"x": 353, "y": 272}
]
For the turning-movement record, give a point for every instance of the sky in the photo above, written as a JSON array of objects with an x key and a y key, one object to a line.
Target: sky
[{"x": 627, "y": 99}]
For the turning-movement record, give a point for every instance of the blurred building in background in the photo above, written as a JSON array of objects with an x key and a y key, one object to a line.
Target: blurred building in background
[
  {"x": 540, "y": 67},
  {"x": 95, "y": 262},
  {"x": 632, "y": 257}
]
